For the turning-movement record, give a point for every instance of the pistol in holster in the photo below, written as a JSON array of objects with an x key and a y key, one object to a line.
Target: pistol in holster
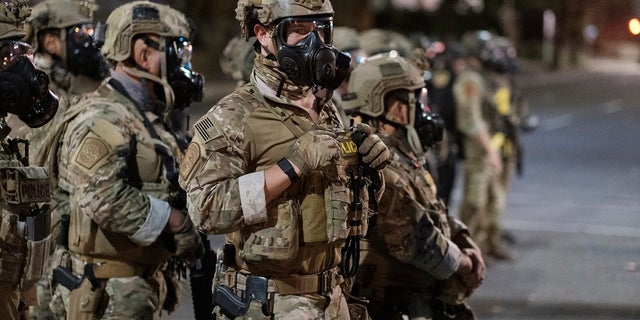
[{"x": 233, "y": 306}]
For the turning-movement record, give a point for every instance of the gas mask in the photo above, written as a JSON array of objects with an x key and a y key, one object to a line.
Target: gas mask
[
  {"x": 187, "y": 84},
  {"x": 429, "y": 125},
  {"x": 177, "y": 85},
  {"x": 313, "y": 61},
  {"x": 24, "y": 90},
  {"x": 83, "y": 56}
]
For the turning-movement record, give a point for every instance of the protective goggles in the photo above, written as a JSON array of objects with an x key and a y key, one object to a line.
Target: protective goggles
[
  {"x": 299, "y": 27},
  {"x": 82, "y": 35},
  {"x": 11, "y": 54},
  {"x": 181, "y": 50}
]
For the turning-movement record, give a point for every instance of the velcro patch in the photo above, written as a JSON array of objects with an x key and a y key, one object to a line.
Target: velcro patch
[
  {"x": 207, "y": 130},
  {"x": 91, "y": 152},
  {"x": 191, "y": 157}
]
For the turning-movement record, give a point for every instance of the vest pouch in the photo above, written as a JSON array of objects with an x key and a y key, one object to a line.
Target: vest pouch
[
  {"x": 35, "y": 261},
  {"x": 338, "y": 200},
  {"x": 346, "y": 196},
  {"x": 277, "y": 239}
]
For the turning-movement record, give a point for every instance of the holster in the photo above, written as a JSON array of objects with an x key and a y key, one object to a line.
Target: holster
[{"x": 85, "y": 301}]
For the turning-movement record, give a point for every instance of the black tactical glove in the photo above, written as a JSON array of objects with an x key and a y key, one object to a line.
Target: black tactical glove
[
  {"x": 313, "y": 150},
  {"x": 374, "y": 152}
]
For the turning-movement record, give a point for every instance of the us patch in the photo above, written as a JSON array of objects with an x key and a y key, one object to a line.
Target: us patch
[{"x": 91, "y": 152}]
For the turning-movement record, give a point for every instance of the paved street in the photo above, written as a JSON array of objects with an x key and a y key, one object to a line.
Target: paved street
[{"x": 575, "y": 212}]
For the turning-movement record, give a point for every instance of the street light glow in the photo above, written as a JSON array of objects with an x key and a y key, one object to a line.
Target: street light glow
[{"x": 634, "y": 26}]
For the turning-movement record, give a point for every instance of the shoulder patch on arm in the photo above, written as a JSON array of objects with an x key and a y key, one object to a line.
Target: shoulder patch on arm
[
  {"x": 191, "y": 157},
  {"x": 99, "y": 142},
  {"x": 207, "y": 129},
  {"x": 92, "y": 151}
]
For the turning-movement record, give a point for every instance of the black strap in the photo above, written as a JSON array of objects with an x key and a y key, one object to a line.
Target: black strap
[{"x": 167, "y": 159}]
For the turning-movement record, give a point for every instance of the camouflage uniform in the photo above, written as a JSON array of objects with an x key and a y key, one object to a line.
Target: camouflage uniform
[
  {"x": 408, "y": 250},
  {"x": 484, "y": 196},
  {"x": 116, "y": 161},
  {"x": 55, "y": 15},
  {"x": 24, "y": 242},
  {"x": 295, "y": 240}
]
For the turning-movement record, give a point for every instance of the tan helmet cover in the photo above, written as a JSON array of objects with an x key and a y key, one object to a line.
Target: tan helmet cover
[
  {"x": 371, "y": 80},
  {"x": 346, "y": 39},
  {"x": 376, "y": 41},
  {"x": 139, "y": 17},
  {"x": 57, "y": 14},
  {"x": 13, "y": 13},
  {"x": 237, "y": 58},
  {"x": 268, "y": 11}
]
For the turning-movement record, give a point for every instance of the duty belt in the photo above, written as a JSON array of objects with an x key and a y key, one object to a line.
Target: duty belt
[
  {"x": 321, "y": 283},
  {"x": 107, "y": 268}
]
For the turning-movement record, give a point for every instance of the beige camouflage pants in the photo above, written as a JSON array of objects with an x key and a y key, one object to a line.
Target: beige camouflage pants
[
  {"x": 125, "y": 298},
  {"x": 483, "y": 201}
]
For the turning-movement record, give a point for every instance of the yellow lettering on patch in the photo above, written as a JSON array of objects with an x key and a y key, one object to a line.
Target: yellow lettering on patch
[
  {"x": 348, "y": 147},
  {"x": 91, "y": 152}
]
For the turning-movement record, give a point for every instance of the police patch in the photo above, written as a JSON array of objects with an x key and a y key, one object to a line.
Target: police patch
[
  {"x": 189, "y": 160},
  {"x": 91, "y": 152}
]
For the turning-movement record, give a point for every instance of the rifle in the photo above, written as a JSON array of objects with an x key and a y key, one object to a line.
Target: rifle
[{"x": 201, "y": 279}]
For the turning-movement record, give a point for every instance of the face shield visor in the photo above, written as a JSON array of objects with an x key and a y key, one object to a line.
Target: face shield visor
[
  {"x": 187, "y": 84},
  {"x": 83, "y": 53},
  {"x": 428, "y": 125},
  {"x": 24, "y": 90},
  {"x": 305, "y": 52}
]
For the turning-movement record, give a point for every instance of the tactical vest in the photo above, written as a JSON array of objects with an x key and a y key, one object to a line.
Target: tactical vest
[
  {"x": 378, "y": 268},
  {"x": 85, "y": 236},
  {"x": 23, "y": 187},
  {"x": 311, "y": 220}
]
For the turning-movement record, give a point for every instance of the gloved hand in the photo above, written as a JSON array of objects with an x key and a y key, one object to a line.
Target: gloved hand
[
  {"x": 188, "y": 241},
  {"x": 313, "y": 150},
  {"x": 374, "y": 152}
]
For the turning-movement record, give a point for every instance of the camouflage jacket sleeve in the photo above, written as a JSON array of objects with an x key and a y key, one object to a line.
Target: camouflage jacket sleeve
[
  {"x": 95, "y": 150},
  {"x": 469, "y": 91},
  {"x": 211, "y": 170},
  {"x": 409, "y": 233}
]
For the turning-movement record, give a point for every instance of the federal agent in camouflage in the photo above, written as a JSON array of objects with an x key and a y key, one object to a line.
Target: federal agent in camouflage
[
  {"x": 479, "y": 101},
  {"x": 24, "y": 224},
  {"x": 415, "y": 254},
  {"x": 271, "y": 167},
  {"x": 117, "y": 162},
  {"x": 62, "y": 36}
]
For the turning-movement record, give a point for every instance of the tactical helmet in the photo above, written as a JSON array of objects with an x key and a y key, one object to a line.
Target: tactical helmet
[
  {"x": 13, "y": 13},
  {"x": 346, "y": 39},
  {"x": 250, "y": 12},
  {"x": 372, "y": 80},
  {"x": 237, "y": 58},
  {"x": 139, "y": 17},
  {"x": 57, "y": 14},
  {"x": 376, "y": 41}
]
